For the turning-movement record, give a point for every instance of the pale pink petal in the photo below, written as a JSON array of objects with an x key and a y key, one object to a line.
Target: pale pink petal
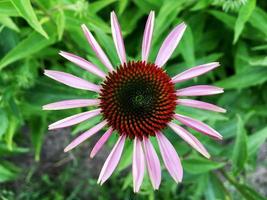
[
  {"x": 101, "y": 142},
  {"x": 117, "y": 37},
  {"x": 148, "y": 36},
  {"x": 198, "y": 126},
  {"x": 152, "y": 163},
  {"x": 199, "y": 104},
  {"x": 85, "y": 135},
  {"x": 189, "y": 138},
  {"x": 138, "y": 165},
  {"x": 97, "y": 49},
  {"x": 112, "y": 160},
  {"x": 71, "y": 80},
  {"x": 83, "y": 63},
  {"x": 169, "y": 44},
  {"x": 74, "y": 119},
  {"x": 76, "y": 103},
  {"x": 194, "y": 72},
  {"x": 199, "y": 90},
  {"x": 170, "y": 157}
]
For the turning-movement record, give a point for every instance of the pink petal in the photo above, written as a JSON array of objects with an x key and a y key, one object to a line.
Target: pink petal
[
  {"x": 194, "y": 72},
  {"x": 83, "y": 63},
  {"x": 71, "y": 80},
  {"x": 101, "y": 142},
  {"x": 112, "y": 160},
  {"x": 97, "y": 49},
  {"x": 76, "y": 103},
  {"x": 198, "y": 126},
  {"x": 199, "y": 104},
  {"x": 148, "y": 36},
  {"x": 138, "y": 165},
  {"x": 169, "y": 44},
  {"x": 85, "y": 135},
  {"x": 199, "y": 90},
  {"x": 170, "y": 157},
  {"x": 117, "y": 37},
  {"x": 152, "y": 163},
  {"x": 74, "y": 119},
  {"x": 189, "y": 138}
]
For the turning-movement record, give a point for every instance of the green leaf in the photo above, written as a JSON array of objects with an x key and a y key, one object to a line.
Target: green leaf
[
  {"x": 241, "y": 61},
  {"x": 107, "y": 44},
  {"x": 9, "y": 135},
  {"x": 243, "y": 16},
  {"x": 249, "y": 193},
  {"x": 6, "y": 174},
  {"x": 187, "y": 47},
  {"x": 60, "y": 21},
  {"x": 200, "y": 165},
  {"x": 165, "y": 17},
  {"x": 258, "y": 61},
  {"x": 7, "y": 8},
  {"x": 26, "y": 11},
  {"x": 122, "y": 5},
  {"x": 8, "y": 22},
  {"x": 5, "y": 151},
  {"x": 240, "y": 154},
  {"x": 251, "y": 77},
  {"x": 258, "y": 20},
  {"x": 99, "y": 5},
  {"x": 228, "y": 20},
  {"x": 32, "y": 44},
  {"x": 126, "y": 159},
  {"x": 38, "y": 127},
  {"x": 255, "y": 141},
  {"x": 260, "y": 47},
  {"x": 215, "y": 189},
  {"x": 4, "y": 122}
]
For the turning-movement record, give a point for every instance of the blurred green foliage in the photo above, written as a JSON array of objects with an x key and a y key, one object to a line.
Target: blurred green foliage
[{"x": 233, "y": 32}]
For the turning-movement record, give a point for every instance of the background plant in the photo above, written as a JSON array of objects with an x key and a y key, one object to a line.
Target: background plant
[{"x": 31, "y": 35}]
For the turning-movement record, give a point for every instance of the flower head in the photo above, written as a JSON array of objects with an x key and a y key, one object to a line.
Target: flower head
[{"x": 137, "y": 100}]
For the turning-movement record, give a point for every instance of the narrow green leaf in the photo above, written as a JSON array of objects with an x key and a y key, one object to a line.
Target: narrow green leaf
[
  {"x": 9, "y": 135},
  {"x": 258, "y": 61},
  {"x": 200, "y": 165},
  {"x": 240, "y": 154},
  {"x": 126, "y": 157},
  {"x": 4, "y": 122},
  {"x": 255, "y": 141},
  {"x": 227, "y": 19},
  {"x": 99, "y": 5},
  {"x": 107, "y": 44},
  {"x": 26, "y": 11},
  {"x": 249, "y": 193},
  {"x": 251, "y": 77},
  {"x": 187, "y": 48},
  {"x": 215, "y": 189},
  {"x": 8, "y": 22},
  {"x": 6, "y": 174},
  {"x": 260, "y": 47},
  {"x": 165, "y": 17},
  {"x": 7, "y": 8},
  {"x": 38, "y": 127},
  {"x": 32, "y": 44},
  {"x": 243, "y": 16},
  {"x": 240, "y": 59},
  {"x": 258, "y": 20},
  {"x": 122, "y": 5},
  {"x": 60, "y": 21}
]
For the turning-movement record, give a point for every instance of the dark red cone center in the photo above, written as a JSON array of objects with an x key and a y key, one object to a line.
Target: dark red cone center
[{"x": 138, "y": 99}]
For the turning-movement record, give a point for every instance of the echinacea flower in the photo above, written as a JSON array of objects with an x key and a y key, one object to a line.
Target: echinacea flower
[{"x": 137, "y": 100}]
